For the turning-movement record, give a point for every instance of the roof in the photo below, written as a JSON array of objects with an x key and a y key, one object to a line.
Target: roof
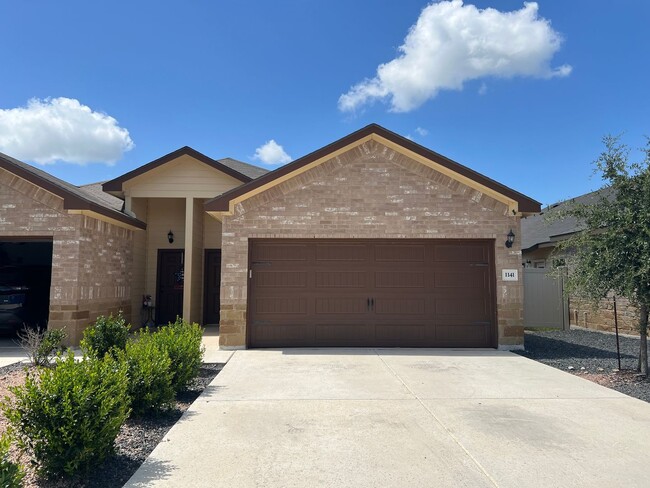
[
  {"x": 95, "y": 191},
  {"x": 538, "y": 230},
  {"x": 244, "y": 168},
  {"x": 74, "y": 198},
  {"x": 238, "y": 170},
  {"x": 222, "y": 202}
]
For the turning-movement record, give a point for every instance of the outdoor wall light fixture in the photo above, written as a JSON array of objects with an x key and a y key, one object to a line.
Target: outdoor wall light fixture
[
  {"x": 510, "y": 239},
  {"x": 170, "y": 237}
]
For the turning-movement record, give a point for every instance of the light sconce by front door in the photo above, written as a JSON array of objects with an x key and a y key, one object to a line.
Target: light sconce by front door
[
  {"x": 170, "y": 237},
  {"x": 510, "y": 239}
]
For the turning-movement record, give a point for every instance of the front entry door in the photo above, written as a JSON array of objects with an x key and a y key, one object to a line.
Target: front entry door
[
  {"x": 212, "y": 286},
  {"x": 169, "y": 301}
]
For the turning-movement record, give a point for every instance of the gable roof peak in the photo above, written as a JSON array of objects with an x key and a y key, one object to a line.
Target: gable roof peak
[{"x": 115, "y": 185}]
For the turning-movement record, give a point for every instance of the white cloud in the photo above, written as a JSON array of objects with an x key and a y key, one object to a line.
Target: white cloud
[
  {"x": 422, "y": 132},
  {"x": 272, "y": 153},
  {"x": 452, "y": 43},
  {"x": 61, "y": 129},
  {"x": 482, "y": 89}
]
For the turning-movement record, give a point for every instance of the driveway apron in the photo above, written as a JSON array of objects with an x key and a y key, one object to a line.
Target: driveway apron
[{"x": 401, "y": 418}]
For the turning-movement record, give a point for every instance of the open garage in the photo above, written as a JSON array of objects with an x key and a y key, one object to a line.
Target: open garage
[{"x": 25, "y": 277}]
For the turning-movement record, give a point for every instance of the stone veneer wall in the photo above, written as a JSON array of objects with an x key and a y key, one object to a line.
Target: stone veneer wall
[
  {"x": 601, "y": 316},
  {"x": 370, "y": 191},
  {"x": 91, "y": 260}
]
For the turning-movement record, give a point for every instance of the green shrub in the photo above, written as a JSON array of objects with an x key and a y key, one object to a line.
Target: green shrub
[
  {"x": 150, "y": 374},
  {"x": 68, "y": 416},
  {"x": 41, "y": 345},
  {"x": 11, "y": 474},
  {"x": 182, "y": 342},
  {"x": 105, "y": 335}
]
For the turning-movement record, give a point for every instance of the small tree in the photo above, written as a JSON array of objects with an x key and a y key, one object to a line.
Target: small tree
[{"x": 612, "y": 252}]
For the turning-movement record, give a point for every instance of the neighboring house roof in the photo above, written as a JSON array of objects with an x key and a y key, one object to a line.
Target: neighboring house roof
[
  {"x": 539, "y": 231},
  {"x": 95, "y": 191},
  {"x": 238, "y": 170},
  {"x": 222, "y": 203},
  {"x": 74, "y": 198},
  {"x": 244, "y": 168}
]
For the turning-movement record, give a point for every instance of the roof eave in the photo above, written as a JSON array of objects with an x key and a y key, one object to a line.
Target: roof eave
[
  {"x": 70, "y": 200},
  {"x": 115, "y": 186},
  {"x": 221, "y": 203}
]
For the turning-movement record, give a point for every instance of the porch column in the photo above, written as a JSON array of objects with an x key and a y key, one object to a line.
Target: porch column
[{"x": 187, "y": 264}]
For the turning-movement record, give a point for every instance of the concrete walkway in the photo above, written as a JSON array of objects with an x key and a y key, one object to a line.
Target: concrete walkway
[
  {"x": 401, "y": 418},
  {"x": 10, "y": 352}
]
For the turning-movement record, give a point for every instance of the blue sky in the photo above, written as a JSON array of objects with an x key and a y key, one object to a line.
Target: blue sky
[{"x": 226, "y": 77}]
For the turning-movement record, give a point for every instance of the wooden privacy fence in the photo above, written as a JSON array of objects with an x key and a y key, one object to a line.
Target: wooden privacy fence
[{"x": 544, "y": 302}]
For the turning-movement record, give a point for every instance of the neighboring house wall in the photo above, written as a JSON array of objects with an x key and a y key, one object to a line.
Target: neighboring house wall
[
  {"x": 370, "y": 191},
  {"x": 90, "y": 259},
  {"x": 538, "y": 258},
  {"x": 585, "y": 314},
  {"x": 601, "y": 316}
]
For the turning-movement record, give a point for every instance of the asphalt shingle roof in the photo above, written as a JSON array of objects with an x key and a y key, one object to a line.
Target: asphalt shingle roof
[
  {"x": 536, "y": 229},
  {"x": 244, "y": 168}
]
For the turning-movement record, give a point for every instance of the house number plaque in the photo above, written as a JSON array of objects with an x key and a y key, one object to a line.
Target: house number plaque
[{"x": 510, "y": 274}]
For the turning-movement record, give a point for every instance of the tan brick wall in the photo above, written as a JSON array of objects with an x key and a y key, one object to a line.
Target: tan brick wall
[
  {"x": 91, "y": 260},
  {"x": 369, "y": 192},
  {"x": 601, "y": 316}
]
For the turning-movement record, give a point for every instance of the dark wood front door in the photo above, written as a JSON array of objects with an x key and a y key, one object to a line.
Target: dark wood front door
[
  {"x": 169, "y": 297},
  {"x": 212, "y": 286},
  {"x": 384, "y": 293}
]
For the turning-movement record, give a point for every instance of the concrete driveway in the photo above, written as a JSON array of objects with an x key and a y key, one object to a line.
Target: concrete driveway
[{"x": 401, "y": 418}]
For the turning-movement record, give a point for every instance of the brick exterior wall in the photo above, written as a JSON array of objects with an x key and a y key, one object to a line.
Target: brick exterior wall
[
  {"x": 370, "y": 191},
  {"x": 601, "y": 316},
  {"x": 91, "y": 260}
]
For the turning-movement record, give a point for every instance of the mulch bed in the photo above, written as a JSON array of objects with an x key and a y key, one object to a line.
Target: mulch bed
[
  {"x": 137, "y": 438},
  {"x": 590, "y": 355}
]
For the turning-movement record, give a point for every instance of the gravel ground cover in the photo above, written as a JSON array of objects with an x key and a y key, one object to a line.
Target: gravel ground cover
[
  {"x": 137, "y": 438},
  {"x": 591, "y": 355}
]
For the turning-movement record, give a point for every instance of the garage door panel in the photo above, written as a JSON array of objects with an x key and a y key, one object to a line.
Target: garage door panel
[
  {"x": 466, "y": 309},
  {"x": 346, "y": 334},
  {"x": 341, "y": 305},
  {"x": 283, "y": 335},
  {"x": 281, "y": 305},
  {"x": 399, "y": 253},
  {"x": 280, "y": 252},
  {"x": 281, "y": 279},
  {"x": 342, "y": 252},
  {"x": 402, "y": 335},
  {"x": 399, "y": 279},
  {"x": 461, "y": 252},
  {"x": 424, "y": 293},
  {"x": 341, "y": 279},
  {"x": 459, "y": 335},
  {"x": 400, "y": 306}
]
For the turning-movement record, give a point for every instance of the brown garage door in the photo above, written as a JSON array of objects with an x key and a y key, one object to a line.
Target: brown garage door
[{"x": 384, "y": 293}]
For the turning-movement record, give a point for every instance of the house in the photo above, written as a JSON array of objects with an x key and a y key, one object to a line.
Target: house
[
  {"x": 372, "y": 240},
  {"x": 540, "y": 235}
]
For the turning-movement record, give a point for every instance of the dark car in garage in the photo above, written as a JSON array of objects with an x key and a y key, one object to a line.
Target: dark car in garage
[{"x": 13, "y": 299}]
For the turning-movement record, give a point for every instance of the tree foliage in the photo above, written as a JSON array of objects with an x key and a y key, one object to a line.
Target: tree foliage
[{"x": 611, "y": 254}]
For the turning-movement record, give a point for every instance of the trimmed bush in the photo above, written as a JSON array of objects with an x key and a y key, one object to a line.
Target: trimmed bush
[
  {"x": 68, "y": 416},
  {"x": 11, "y": 474},
  {"x": 105, "y": 335},
  {"x": 182, "y": 342},
  {"x": 150, "y": 374}
]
